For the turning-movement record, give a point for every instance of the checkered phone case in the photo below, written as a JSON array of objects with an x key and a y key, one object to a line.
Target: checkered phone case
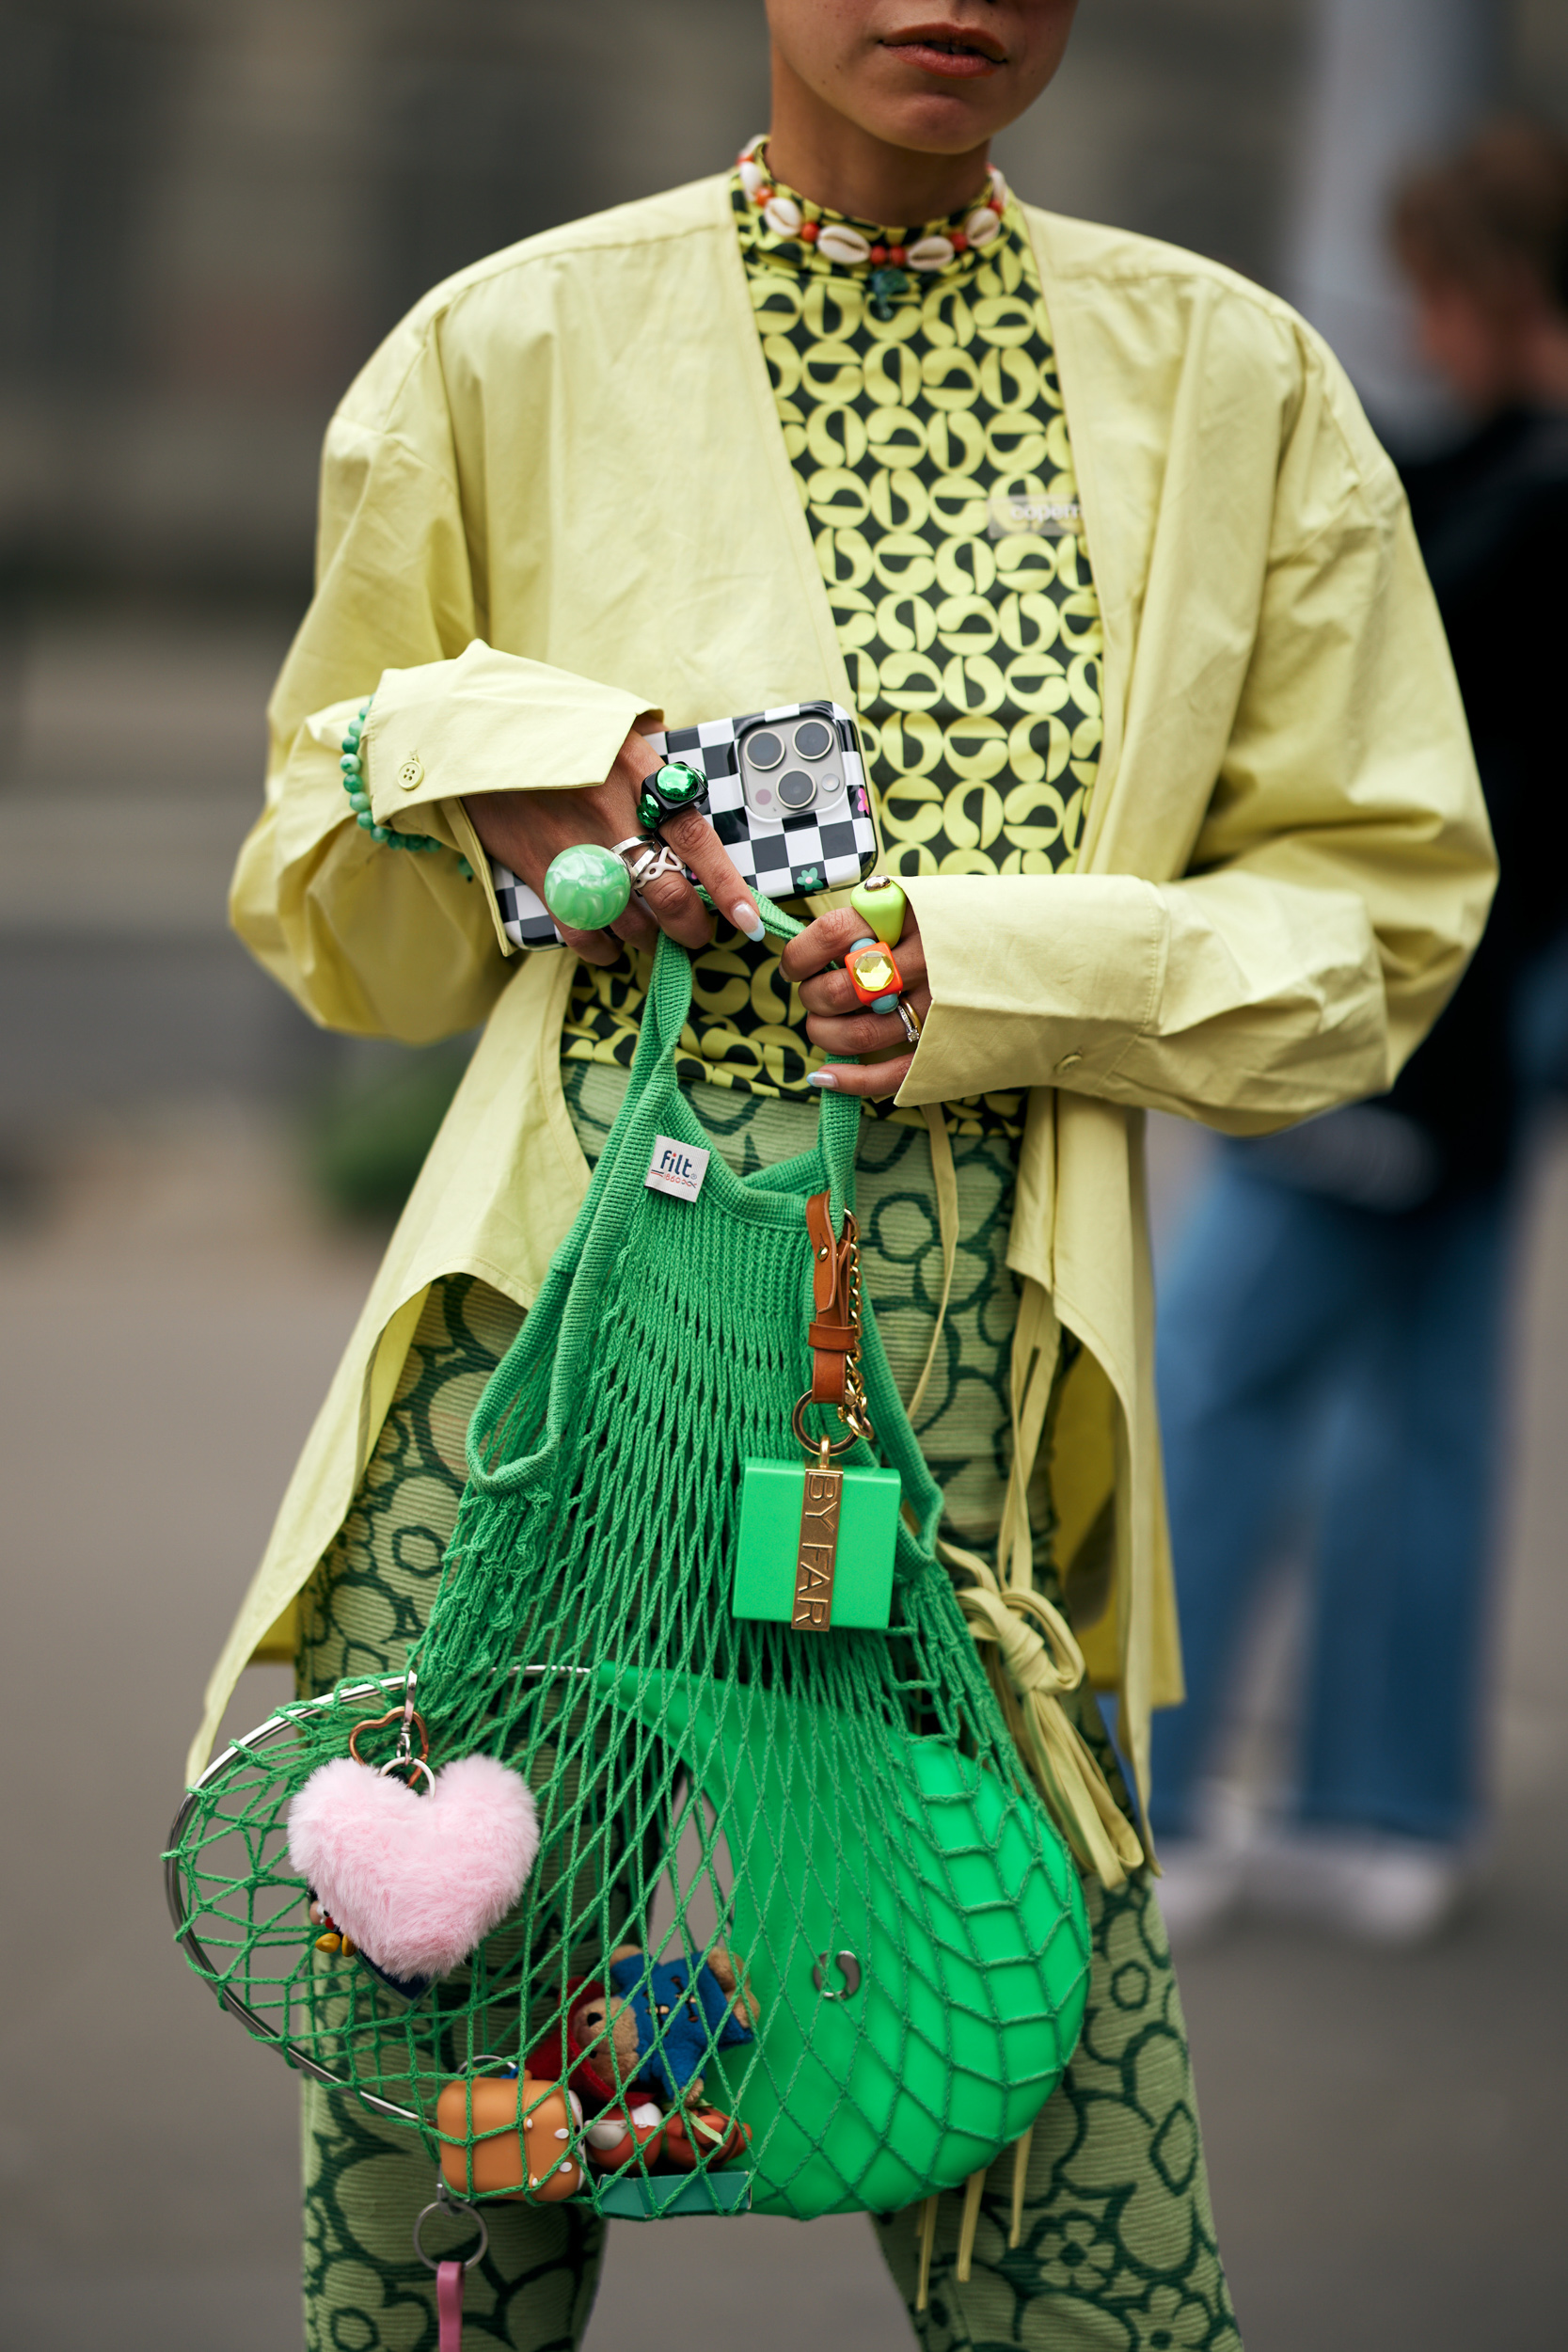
[{"x": 789, "y": 853}]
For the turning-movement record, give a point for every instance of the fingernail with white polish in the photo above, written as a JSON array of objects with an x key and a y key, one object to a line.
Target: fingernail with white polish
[
  {"x": 821, "y": 1078},
  {"x": 747, "y": 919}
]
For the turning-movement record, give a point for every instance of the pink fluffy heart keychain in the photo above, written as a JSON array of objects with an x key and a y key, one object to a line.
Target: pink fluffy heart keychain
[{"x": 416, "y": 1880}]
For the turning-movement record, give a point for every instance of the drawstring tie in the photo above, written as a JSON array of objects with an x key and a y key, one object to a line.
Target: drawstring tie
[{"x": 1036, "y": 1662}]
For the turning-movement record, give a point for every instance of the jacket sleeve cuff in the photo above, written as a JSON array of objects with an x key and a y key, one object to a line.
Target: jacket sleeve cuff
[
  {"x": 490, "y": 721},
  {"x": 1046, "y": 982}
]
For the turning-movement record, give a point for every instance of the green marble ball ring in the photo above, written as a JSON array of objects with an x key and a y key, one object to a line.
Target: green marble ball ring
[{"x": 587, "y": 886}]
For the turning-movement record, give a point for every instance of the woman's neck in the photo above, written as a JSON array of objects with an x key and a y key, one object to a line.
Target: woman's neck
[{"x": 823, "y": 155}]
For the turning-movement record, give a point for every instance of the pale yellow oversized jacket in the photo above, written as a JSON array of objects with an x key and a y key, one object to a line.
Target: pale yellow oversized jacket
[{"x": 558, "y": 499}]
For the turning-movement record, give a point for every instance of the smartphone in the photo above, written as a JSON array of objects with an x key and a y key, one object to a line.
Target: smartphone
[{"x": 787, "y": 795}]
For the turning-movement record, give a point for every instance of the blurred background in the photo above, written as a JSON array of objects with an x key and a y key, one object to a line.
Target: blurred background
[{"x": 210, "y": 211}]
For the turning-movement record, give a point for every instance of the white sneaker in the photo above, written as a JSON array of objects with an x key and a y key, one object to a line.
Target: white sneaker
[{"x": 1378, "y": 1890}]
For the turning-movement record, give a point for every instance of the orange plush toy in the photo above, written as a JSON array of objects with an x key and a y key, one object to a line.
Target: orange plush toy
[
  {"x": 510, "y": 2114},
  {"x": 621, "y": 2133},
  {"x": 694, "y": 2135}
]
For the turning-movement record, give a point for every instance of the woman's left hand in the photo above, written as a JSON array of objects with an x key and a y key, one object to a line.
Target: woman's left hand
[{"x": 837, "y": 1021}]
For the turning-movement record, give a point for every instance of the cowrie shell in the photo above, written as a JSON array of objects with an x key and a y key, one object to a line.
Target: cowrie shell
[
  {"x": 931, "y": 253},
  {"x": 982, "y": 224},
  {"x": 783, "y": 214},
  {"x": 841, "y": 243},
  {"x": 750, "y": 177}
]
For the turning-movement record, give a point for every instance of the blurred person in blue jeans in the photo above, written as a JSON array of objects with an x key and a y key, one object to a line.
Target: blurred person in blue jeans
[{"x": 1331, "y": 1328}]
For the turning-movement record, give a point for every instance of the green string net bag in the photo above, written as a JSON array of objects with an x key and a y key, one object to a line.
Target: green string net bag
[{"x": 836, "y": 1823}]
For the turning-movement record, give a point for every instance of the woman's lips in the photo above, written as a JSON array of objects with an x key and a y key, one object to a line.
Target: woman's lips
[{"x": 955, "y": 64}]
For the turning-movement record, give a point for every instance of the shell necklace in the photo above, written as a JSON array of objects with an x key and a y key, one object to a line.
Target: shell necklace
[{"x": 839, "y": 242}]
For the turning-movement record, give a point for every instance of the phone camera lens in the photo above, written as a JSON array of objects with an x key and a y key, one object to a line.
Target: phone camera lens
[
  {"x": 814, "y": 740},
  {"x": 763, "y": 750},
  {"x": 797, "y": 789}
]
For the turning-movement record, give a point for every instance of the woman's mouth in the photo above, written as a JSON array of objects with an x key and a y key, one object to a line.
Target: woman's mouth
[{"x": 958, "y": 55}]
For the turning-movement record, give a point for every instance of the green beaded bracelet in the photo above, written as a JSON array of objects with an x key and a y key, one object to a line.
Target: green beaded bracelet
[{"x": 386, "y": 837}]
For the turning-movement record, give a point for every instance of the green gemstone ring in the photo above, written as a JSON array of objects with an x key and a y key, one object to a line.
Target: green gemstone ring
[
  {"x": 669, "y": 789},
  {"x": 587, "y": 886}
]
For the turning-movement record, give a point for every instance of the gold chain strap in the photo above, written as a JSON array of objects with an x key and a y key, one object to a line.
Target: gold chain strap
[{"x": 854, "y": 1412}]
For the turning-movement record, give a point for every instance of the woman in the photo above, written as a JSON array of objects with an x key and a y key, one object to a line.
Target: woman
[{"x": 1168, "y": 754}]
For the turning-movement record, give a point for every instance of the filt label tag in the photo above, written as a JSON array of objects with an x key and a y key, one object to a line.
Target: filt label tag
[{"x": 677, "y": 1168}]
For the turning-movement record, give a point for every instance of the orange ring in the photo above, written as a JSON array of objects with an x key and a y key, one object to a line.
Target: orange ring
[{"x": 892, "y": 985}]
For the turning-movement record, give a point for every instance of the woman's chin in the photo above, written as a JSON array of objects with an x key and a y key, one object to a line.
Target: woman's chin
[{"x": 945, "y": 119}]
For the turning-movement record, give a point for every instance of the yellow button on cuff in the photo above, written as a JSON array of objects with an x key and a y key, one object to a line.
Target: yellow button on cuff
[
  {"x": 1070, "y": 1061},
  {"x": 411, "y": 773}
]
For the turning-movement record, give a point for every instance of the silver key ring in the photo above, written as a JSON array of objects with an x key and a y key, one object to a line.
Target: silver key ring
[
  {"x": 454, "y": 2208},
  {"x": 646, "y": 858}
]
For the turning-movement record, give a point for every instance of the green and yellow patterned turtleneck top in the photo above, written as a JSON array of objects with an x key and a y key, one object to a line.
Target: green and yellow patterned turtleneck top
[{"x": 925, "y": 419}]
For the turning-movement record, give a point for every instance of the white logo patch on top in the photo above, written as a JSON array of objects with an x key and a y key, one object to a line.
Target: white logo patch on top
[{"x": 677, "y": 1168}]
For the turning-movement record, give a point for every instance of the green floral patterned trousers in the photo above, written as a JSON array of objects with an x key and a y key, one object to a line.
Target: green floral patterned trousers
[{"x": 1117, "y": 2252}]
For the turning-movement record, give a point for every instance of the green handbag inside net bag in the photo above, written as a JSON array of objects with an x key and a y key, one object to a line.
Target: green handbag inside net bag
[{"x": 800, "y": 1936}]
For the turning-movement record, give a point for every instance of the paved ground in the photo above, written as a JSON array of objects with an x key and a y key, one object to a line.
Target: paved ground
[{"x": 1384, "y": 2134}]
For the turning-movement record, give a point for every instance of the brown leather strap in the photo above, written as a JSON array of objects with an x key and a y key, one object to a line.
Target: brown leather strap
[
  {"x": 826, "y": 1253},
  {"x": 837, "y": 1337},
  {"x": 829, "y": 1336}
]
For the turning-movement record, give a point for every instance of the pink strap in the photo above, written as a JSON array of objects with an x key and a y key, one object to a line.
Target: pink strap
[{"x": 449, "y": 2305}]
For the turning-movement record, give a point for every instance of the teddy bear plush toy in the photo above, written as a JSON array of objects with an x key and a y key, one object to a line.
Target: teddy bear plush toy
[{"x": 651, "y": 2024}]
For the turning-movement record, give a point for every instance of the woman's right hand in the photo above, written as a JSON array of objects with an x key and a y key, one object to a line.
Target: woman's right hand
[{"x": 525, "y": 831}]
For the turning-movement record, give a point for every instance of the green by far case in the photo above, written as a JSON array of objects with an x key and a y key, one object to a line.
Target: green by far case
[{"x": 769, "y": 1550}]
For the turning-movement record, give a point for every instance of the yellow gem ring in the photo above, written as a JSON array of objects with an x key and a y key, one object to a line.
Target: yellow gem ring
[{"x": 873, "y": 975}]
